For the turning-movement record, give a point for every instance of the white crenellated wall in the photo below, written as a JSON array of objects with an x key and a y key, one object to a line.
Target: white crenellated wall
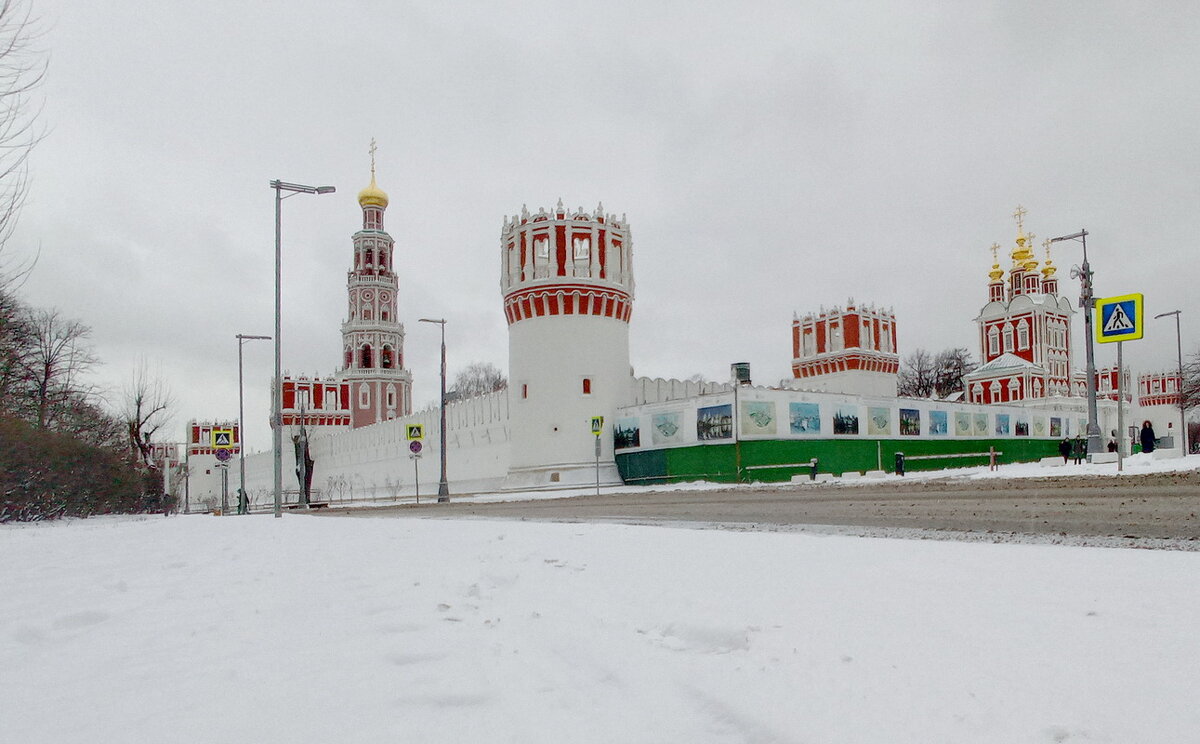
[
  {"x": 373, "y": 462},
  {"x": 658, "y": 390}
]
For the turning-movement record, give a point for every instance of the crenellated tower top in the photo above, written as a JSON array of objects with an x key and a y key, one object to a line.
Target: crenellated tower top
[{"x": 559, "y": 262}]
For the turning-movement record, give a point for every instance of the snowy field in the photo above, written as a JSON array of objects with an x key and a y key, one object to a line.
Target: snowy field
[{"x": 252, "y": 629}]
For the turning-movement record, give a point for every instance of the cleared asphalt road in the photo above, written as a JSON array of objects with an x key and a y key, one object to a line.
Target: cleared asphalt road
[{"x": 1161, "y": 506}]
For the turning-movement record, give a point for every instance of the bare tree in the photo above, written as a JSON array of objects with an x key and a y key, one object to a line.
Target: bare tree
[
  {"x": 479, "y": 378},
  {"x": 917, "y": 375},
  {"x": 950, "y": 365},
  {"x": 54, "y": 366},
  {"x": 146, "y": 403},
  {"x": 1191, "y": 381},
  {"x": 22, "y": 69},
  {"x": 14, "y": 344}
]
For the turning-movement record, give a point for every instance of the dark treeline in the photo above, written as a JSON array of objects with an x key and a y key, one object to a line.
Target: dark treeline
[{"x": 61, "y": 452}]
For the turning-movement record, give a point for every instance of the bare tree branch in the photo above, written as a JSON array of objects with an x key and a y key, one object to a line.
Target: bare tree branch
[{"x": 145, "y": 408}]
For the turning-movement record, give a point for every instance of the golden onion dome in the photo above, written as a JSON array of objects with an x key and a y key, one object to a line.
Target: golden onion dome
[
  {"x": 996, "y": 273},
  {"x": 373, "y": 196},
  {"x": 1049, "y": 270}
]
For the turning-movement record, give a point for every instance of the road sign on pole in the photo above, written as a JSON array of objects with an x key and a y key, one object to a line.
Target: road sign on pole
[
  {"x": 415, "y": 432},
  {"x": 1119, "y": 318},
  {"x": 597, "y": 425},
  {"x": 222, "y": 439}
]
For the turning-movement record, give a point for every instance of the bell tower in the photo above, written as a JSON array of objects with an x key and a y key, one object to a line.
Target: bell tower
[{"x": 380, "y": 388}]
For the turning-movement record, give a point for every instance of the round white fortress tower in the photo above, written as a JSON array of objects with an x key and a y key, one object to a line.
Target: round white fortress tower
[{"x": 567, "y": 280}]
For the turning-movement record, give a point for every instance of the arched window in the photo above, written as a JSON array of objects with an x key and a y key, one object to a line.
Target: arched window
[
  {"x": 587, "y": 386},
  {"x": 1023, "y": 335},
  {"x": 582, "y": 246},
  {"x": 366, "y": 313},
  {"x": 993, "y": 341},
  {"x": 382, "y": 259},
  {"x": 364, "y": 357},
  {"x": 385, "y": 358},
  {"x": 1008, "y": 338},
  {"x": 349, "y": 358},
  {"x": 370, "y": 257}
]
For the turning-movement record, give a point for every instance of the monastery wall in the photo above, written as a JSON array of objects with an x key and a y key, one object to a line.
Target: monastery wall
[{"x": 373, "y": 462}]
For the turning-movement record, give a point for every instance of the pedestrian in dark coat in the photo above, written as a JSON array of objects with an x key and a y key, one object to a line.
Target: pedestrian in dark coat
[
  {"x": 1147, "y": 436},
  {"x": 1064, "y": 449},
  {"x": 1079, "y": 449}
]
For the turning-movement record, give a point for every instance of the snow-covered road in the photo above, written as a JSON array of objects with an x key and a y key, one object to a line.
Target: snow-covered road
[{"x": 204, "y": 629}]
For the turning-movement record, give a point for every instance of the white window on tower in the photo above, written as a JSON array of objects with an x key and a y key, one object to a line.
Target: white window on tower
[
  {"x": 807, "y": 347},
  {"x": 1154, "y": 386},
  {"x": 885, "y": 342},
  {"x": 993, "y": 341},
  {"x": 866, "y": 341},
  {"x": 583, "y": 247},
  {"x": 391, "y": 396},
  {"x": 303, "y": 398},
  {"x": 1008, "y": 338},
  {"x": 835, "y": 337},
  {"x": 541, "y": 247},
  {"x": 1023, "y": 335}
]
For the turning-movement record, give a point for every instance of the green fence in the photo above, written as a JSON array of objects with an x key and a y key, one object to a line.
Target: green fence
[{"x": 778, "y": 460}]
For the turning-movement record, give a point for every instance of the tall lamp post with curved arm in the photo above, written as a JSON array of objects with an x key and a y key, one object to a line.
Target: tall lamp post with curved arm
[
  {"x": 242, "y": 339},
  {"x": 1183, "y": 432},
  {"x": 443, "y": 486},
  {"x": 277, "y": 393},
  {"x": 1087, "y": 303}
]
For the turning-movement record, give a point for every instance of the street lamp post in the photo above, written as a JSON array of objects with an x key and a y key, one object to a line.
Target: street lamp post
[
  {"x": 242, "y": 339},
  {"x": 1183, "y": 432},
  {"x": 443, "y": 486},
  {"x": 1087, "y": 302},
  {"x": 277, "y": 393}
]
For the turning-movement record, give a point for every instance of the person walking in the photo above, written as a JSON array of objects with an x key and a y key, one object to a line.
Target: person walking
[
  {"x": 1079, "y": 449},
  {"x": 1064, "y": 449},
  {"x": 1147, "y": 437}
]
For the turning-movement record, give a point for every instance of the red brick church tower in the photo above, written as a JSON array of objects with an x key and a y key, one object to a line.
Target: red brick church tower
[
  {"x": 372, "y": 385},
  {"x": 372, "y": 336},
  {"x": 1024, "y": 330}
]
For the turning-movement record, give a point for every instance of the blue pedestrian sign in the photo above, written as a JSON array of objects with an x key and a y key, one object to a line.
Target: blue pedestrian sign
[{"x": 1119, "y": 318}]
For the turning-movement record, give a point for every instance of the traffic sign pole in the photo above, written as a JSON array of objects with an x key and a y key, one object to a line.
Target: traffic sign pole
[{"x": 1120, "y": 407}]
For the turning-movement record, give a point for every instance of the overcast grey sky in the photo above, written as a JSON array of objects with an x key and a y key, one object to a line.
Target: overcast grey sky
[{"x": 771, "y": 158}]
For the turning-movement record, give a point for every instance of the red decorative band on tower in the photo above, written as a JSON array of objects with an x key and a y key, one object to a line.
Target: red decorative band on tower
[{"x": 567, "y": 299}]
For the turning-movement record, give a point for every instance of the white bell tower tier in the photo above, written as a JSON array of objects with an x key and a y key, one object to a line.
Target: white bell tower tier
[{"x": 567, "y": 281}]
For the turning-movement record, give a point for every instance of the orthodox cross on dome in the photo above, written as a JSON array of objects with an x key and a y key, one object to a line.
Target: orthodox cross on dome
[
  {"x": 372, "y": 150},
  {"x": 1019, "y": 214},
  {"x": 995, "y": 249}
]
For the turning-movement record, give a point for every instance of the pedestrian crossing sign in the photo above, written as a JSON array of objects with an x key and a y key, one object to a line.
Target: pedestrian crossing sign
[
  {"x": 1119, "y": 318},
  {"x": 222, "y": 438},
  {"x": 416, "y": 432}
]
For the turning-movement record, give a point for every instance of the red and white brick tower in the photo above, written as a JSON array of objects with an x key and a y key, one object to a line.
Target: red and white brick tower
[
  {"x": 846, "y": 351},
  {"x": 380, "y": 388},
  {"x": 567, "y": 280},
  {"x": 1024, "y": 330}
]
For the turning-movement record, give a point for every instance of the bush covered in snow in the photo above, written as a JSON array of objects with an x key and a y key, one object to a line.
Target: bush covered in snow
[{"x": 46, "y": 475}]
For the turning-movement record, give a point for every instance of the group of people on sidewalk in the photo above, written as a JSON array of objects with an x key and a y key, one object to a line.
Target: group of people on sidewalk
[{"x": 1077, "y": 448}]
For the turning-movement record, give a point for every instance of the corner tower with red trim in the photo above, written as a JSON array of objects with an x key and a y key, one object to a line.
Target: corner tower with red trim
[
  {"x": 846, "y": 351},
  {"x": 380, "y": 388},
  {"x": 567, "y": 281}
]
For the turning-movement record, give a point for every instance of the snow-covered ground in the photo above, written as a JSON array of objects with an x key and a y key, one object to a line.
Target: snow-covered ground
[{"x": 253, "y": 629}]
